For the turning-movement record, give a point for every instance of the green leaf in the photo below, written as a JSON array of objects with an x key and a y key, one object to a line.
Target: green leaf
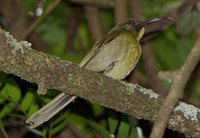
[
  {"x": 33, "y": 108},
  {"x": 60, "y": 118},
  {"x": 133, "y": 133},
  {"x": 44, "y": 132},
  {"x": 59, "y": 127},
  {"x": 82, "y": 123},
  {"x": 3, "y": 95},
  {"x": 7, "y": 109},
  {"x": 45, "y": 99},
  {"x": 10, "y": 92},
  {"x": 27, "y": 101},
  {"x": 13, "y": 91},
  {"x": 97, "y": 109},
  {"x": 123, "y": 130},
  {"x": 113, "y": 123},
  {"x": 100, "y": 128},
  {"x": 78, "y": 120}
]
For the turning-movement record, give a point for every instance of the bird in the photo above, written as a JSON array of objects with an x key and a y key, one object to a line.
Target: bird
[{"x": 115, "y": 56}]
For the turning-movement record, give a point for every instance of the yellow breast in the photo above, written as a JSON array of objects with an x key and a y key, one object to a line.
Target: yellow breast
[{"x": 124, "y": 51}]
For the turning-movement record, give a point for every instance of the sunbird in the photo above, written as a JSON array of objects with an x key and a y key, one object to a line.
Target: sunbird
[{"x": 115, "y": 56}]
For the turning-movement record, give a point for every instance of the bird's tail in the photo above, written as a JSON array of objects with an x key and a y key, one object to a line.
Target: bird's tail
[{"x": 49, "y": 110}]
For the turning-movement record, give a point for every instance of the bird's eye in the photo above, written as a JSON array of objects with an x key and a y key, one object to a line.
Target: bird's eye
[{"x": 132, "y": 23}]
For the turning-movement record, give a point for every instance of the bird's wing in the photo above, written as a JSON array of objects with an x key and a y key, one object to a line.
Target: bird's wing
[{"x": 99, "y": 45}]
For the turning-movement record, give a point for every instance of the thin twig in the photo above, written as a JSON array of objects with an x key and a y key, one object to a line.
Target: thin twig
[
  {"x": 176, "y": 91},
  {"x": 5, "y": 135},
  {"x": 40, "y": 19}
]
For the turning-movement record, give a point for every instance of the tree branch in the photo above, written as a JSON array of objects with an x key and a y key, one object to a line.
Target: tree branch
[
  {"x": 176, "y": 91},
  {"x": 50, "y": 72}
]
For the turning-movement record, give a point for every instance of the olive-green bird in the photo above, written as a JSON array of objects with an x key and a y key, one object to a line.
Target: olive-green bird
[{"x": 114, "y": 56}]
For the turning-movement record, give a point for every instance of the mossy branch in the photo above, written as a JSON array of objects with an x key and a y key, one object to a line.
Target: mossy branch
[{"x": 50, "y": 72}]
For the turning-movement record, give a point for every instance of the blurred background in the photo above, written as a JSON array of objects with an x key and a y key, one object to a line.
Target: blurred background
[{"x": 68, "y": 29}]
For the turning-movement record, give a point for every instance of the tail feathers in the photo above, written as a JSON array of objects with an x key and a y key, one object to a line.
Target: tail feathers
[{"x": 49, "y": 110}]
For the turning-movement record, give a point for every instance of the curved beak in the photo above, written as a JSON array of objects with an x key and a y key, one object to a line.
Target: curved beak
[
  {"x": 145, "y": 23},
  {"x": 156, "y": 20}
]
